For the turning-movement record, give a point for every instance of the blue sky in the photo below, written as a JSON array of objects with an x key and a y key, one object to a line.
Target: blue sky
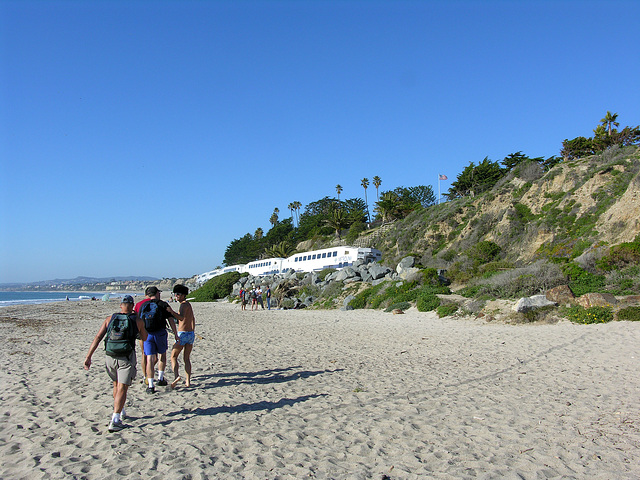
[{"x": 140, "y": 137}]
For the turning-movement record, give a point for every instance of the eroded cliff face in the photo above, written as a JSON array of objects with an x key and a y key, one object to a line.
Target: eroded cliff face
[{"x": 594, "y": 201}]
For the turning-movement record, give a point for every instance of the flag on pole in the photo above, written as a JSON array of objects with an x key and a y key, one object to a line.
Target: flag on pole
[{"x": 442, "y": 177}]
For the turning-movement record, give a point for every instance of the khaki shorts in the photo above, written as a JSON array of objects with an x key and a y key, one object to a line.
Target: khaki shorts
[{"x": 122, "y": 369}]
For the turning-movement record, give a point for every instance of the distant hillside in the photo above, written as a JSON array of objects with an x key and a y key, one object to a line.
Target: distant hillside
[{"x": 79, "y": 281}]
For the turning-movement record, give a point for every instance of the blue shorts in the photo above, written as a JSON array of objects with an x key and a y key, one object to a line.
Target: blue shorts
[
  {"x": 187, "y": 338},
  {"x": 156, "y": 342}
]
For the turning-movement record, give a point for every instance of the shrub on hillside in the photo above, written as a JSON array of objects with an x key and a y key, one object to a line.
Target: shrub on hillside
[
  {"x": 581, "y": 281},
  {"x": 484, "y": 252},
  {"x": 446, "y": 310},
  {"x": 578, "y": 314},
  {"x": 216, "y": 288},
  {"x": 398, "y": 306},
  {"x": 621, "y": 256},
  {"x": 518, "y": 282},
  {"x": 427, "y": 302},
  {"x": 625, "y": 281},
  {"x": 631, "y": 314}
]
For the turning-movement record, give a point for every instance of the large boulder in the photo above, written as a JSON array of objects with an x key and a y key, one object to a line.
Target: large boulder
[
  {"x": 378, "y": 271},
  {"x": 345, "y": 273},
  {"x": 596, "y": 300},
  {"x": 562, "y": 295},
  {"x": 406, "y": 262},
  {"x": 528, "y": 304}
]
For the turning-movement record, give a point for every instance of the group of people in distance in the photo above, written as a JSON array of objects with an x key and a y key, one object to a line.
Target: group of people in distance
[
  {"x": 255, "y": 297},
  {"x": 146, "y": 321}
]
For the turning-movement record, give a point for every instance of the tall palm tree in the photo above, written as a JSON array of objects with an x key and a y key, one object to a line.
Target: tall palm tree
[
  {"x": 376, "y": 183},
  {"x": 296, "y": 206},
  {"x": 610, "y": 120},
  {"x": 274, "y": 217},
  {"x": 365, "y": 183},
  {"x": 291, "y": 209},
  {"x": 339, "y": 191}
]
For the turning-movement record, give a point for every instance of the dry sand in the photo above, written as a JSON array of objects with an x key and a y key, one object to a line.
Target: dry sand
[{"x": 327, "y": 394}]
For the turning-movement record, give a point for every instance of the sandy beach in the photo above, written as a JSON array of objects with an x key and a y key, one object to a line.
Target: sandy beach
[{"x": 329, "y": 395}]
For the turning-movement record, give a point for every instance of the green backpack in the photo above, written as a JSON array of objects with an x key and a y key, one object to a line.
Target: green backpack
[{"x": 120, "y": 339}]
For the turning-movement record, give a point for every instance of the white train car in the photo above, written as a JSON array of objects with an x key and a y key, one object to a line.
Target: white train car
[
  {"x": 203, "y": 277},
  {"x": 313, "y": 261},
  {"x": 334, "y": 257},
  {"x": 268, "y": 266}
]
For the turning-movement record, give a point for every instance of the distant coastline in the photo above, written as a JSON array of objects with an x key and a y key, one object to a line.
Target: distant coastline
[{"x": 8, "y": 298}]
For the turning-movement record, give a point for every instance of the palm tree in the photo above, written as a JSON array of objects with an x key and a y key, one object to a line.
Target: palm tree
[
  {"x": 280, "y": 250},
  {"x": 296, "y": 206},
  {"x": 337, "y": 220},
  {"x": 609, "y": 120},
  {"x": 376, "y": 183},
  {"x": 365, "y": 183},
  {"x": 274, "y": 217},
  {"x": 291, "y": 208},
  {"x": 339, "y": 191}
]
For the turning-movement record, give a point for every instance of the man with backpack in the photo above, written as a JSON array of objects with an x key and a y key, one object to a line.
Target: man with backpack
[
  {"x": 155, "y": 313},
  {"x": 119, "y": 331}
]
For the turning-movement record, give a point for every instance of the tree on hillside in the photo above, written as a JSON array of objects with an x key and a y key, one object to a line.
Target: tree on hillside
[
  {"x": 475, "y": 179},
  {"x": 281, "y": 250},
  {"x": 402, "y": 201},
  {"x": 577, "y": 148},
  {"x": 421, "y": 195},
  {"x": 376, "y": 183},
  {"x": 273, "y": 220},
  {"x": 605, "y": 136},
  {"x": 242, "y": 250},
  {"x": 338, "y": 190},
  {"x": 514, "y": 159},
  {"x": 296, "y": 207},
  {"x": 259, "y": 233},
  {"x": 291, "y": 208},
  {"x": 609, "y": 121},
  {"x": 337, "y": 220},
  {"x": 281, "y": 231},
  {"x": 356, "y": 210},
  {"x": 365, "y": 183}
]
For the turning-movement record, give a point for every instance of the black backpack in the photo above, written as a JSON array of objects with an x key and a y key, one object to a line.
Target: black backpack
[
  {"x": 153, "y": 317},
  {"x": 120, "y": 339}
]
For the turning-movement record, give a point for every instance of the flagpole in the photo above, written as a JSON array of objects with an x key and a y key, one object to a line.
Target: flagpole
[{"x": 438, "y": 189}]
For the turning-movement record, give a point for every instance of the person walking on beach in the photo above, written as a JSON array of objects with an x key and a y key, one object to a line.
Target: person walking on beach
[
  {"x": 155, "y": 313},
  {"x": 268, "y": 295},
  {"x": 186, "y": 332},
  {"x": 120, "y": 331},
  {"x": 243, "y": 299},
  {"x": 259, "y": 296},
  {"x": 254, "y": 299}
]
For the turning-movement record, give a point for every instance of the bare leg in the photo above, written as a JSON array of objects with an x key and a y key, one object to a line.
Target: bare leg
[
  {"x": 174, "y": 364},
  {"x": 143, "y": 363},
  {"x": 151, "y": 363},
  {"x": 119, "y": 396},
  {"x": 162, "y": 363},
  {"x": 187, "y": 363}
]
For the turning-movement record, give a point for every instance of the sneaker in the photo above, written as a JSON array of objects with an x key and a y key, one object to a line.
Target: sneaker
[
  {"x": 162, "y": 383},
  {"x": 116, "y": 426},
  {"x": 123, "y": 414},
  {"x": 151, "y": 390}
]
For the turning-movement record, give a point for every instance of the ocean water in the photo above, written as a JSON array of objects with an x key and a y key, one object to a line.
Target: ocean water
[{"x": 33, "y": 298}]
